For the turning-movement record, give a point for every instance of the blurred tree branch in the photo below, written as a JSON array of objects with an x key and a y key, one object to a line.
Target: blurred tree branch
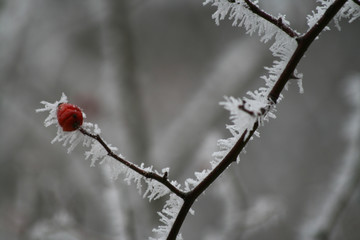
[
  {"x": 347, "y": 179},
  {"x": 119, "y": 59},
  {"x": 15, "y": 16}
]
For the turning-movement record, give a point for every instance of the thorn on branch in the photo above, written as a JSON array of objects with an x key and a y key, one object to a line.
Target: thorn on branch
[{"x": 165, "y": 176}]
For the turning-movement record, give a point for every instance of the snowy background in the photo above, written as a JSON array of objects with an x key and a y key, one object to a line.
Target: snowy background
[{"x": 151, "y": 74}]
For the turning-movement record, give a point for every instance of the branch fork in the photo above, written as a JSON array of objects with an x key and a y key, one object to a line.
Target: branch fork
[{"x": 271, "y": 98}]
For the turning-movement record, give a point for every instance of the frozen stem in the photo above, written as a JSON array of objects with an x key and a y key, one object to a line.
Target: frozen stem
[
  {"x": 276, "y": 21},
  {"x": 162, "y": 179}
]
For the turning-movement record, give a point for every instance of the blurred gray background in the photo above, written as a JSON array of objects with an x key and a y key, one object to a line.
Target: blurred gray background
[{"x": 151, "y": 74}]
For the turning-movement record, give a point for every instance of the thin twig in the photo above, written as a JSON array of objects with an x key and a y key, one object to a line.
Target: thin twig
[
  {"x": 162, "y": 179},
  {"x": 276, "y": 21}
]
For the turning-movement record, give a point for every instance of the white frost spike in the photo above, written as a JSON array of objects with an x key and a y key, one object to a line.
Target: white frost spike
[
  {"x": 283, "y": 45},
  {"x": 300, "y": 84},
  {"x": 223, "y": 9},
  {"x": 96, "y": 152},
  {"x": 74, "y": 140},
  {"x": 132, "y": 176},
  {"x": 155, "y": 190},
  {"x": 52, "y": 108},
  {"x": 350, "y": 10},
  {"x": 97, "y": 130},
  {"x": 168, "y": 215},
  {"x": 318, "y": 13},
  {"x": 238, "y": 159}
]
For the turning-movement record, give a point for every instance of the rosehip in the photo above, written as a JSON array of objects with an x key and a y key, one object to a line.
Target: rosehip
[{"x": 69, "y": 117}]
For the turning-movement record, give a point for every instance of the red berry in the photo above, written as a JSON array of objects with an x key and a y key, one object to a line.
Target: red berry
[{"x": 69, "y": 117}]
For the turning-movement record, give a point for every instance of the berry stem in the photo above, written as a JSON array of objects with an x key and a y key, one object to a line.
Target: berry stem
[{"x": 152, "y": 175}]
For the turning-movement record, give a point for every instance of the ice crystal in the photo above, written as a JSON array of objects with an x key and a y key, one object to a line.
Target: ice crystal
[
  {"x": 318, "y": 13},
  {"x": 350, "y": 11},
  {"x": 52, "y": 108},
  {"x": 282, "y": 47},
  {"x": 168, "y": 215},
  {"x": 242, "y": 16},
  {"x": 244, "y": 113}
]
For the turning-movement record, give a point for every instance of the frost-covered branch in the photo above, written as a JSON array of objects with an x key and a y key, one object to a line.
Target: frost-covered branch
[
  {"x": 247, "y": 114},
  {"x": 148, "y": 174},
  {"x": 264, "y": 107},
  {"x": 89, "y": 135},
  {"x": 276, "y": 21},
  {"x": 66, "y": 118}
]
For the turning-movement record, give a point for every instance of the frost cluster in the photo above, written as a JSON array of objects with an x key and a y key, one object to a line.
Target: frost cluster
[
  {"x": 349, "y": 11},
  {"x": 168, "y": 216},
  {"x": 258, "y": 109},
  {"x": 318, "y": 13},
  {"x": 282, "y": 47},
  {"x": 97, "y": 154}
]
